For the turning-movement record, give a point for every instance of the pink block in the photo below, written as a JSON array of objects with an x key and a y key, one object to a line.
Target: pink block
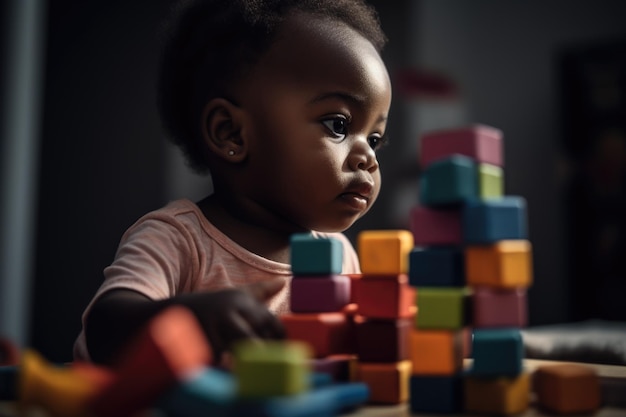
[
  {"x": 319, "y": 294},
  {"x": 499, "y": 308},
  {"x": 436, "y": 227},
  {"x": 480, "y": 142}
]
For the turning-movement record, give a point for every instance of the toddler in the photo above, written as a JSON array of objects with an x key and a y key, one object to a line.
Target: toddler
[{"x": 284, "y": 103}]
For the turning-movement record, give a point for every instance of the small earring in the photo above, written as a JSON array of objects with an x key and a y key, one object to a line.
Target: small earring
[{"x": 231, "y": 152}]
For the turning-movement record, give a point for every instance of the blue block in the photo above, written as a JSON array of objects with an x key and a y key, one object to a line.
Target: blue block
[
  {"x": 210, "y": 392},
  {"x": 449, "y": 181},
  {"x": 315, "y": 256},
  {"x": 497, "y": 352},
  {"x": 328, "y": 401},
  {"x": 8, "y": 383},
  {"x": 488, "y": 221},
  {"x": 436, "y": 394},
  {"x": 437, "y": 266}
]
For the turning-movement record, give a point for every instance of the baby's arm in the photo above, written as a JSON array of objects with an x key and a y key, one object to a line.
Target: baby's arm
[{"x": 225, "y": 316}]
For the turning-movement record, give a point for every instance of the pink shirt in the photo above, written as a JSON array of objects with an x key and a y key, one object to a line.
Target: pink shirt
[{"x": 176, "y": 250}]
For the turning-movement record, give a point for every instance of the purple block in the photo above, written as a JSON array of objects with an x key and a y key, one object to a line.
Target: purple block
[
  {"x": 436, "y": 226},
  {"x": 499, "y": 308},
  {"x": 479, "y": 142},
  {"x": 319, "y": 294}
]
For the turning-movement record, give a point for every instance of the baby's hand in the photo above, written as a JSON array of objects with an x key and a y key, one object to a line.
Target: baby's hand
[{"x": 234, "y": 314}]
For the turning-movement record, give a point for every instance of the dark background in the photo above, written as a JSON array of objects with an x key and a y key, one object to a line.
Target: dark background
[{"x": 522, "y": 67}]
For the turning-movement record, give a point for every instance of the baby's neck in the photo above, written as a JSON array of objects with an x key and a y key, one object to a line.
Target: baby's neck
[{"x": 246, "y": 229}]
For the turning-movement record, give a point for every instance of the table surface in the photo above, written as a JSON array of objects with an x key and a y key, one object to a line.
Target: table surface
[{"x": 610, "y": 375}]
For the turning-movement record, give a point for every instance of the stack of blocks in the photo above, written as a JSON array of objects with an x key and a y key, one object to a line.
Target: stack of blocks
[
  {"x": 320, "y": 303},
  {"x": 471, "y": 266},
  {"x": 386, "y": 307}
]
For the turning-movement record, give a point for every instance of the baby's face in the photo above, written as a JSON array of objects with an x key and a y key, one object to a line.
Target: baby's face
[{"x": 317, "y": 106}]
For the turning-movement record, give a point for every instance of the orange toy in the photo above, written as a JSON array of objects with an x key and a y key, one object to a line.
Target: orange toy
[
  {"x": 567, "y": 388},
  {"x": 388, "y": 382},
  {"x": 436, "y": 352},
  {"x": 504, "y": 264},
  {"x": 502, "y": 396},
  {"x": 385, "y": 252}
]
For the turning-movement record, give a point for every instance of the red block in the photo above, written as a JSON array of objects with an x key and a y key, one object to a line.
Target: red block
[
  {"x": 354, "y": 282},
  {"x": 313, "y": 294},
  {"x": 385, "y": 297},
  {"x": 383, "y": 340},
  {"x": 326, "y": 333},
  {"x": 480, "y": 142},
  {"x": 171, "y": 346},
  {"x": 499, "y": 307},
  {"x": 436, "y": 227}
]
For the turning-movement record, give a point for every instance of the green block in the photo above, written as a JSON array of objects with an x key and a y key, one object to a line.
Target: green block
[
  {"x": 490, "y": 181},
  {"x": 312, "y": 255},
  {"x": 442, "y": 308},
  {"x": 271, "y": 368},
  {"x": 449, "y": 181}
]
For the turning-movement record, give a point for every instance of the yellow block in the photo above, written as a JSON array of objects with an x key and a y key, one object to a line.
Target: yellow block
[
  {"x": 504, "y": 264},
  {"x": 436, "y": 352},
  {"x": 502, "y": 395},
  {"x": 388, "y": 382},
  {"x": 385, "y": 252}
]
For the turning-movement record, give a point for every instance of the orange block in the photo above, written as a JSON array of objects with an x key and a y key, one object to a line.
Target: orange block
[
  {"x": 385, "y": 297},
  {"x": 504, "y": 264},
  {"x": 326, "y": 333},
  {"x": 171, "y": 346},
  {"x": 388, "y": 382},
  {"x": 436, "y": 352},
  {"x": 385, "y": 252},
  {"x": 503, "y": 395},
  {"x": 567, "y": 388}
]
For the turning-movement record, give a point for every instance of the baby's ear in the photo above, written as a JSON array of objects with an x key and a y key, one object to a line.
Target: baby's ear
[{"x": 221, "y": 129}]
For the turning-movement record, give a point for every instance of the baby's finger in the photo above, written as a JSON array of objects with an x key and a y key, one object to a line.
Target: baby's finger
[
  {"x": 265, "y": 324},
  {"x": 265, "y": 290}
]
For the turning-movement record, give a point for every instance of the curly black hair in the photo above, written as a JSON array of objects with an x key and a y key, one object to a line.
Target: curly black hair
[{"x": 210, "y": 44}]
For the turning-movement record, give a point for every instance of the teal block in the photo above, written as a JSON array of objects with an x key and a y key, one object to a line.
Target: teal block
[
  {"x": 449, "y": 181},
  {"x": 497, "y": 352},
  {"x": 312, "y": 255},
  {"x": 436, "y": 394},
  {"x": 488, "y": 221}
]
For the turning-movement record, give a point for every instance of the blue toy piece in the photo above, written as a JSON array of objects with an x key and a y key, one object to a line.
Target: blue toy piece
[
  {"x": 436, "y": 394},
  {"x": 491, "y": 220},
  {"x": 8, "y": 383},
  {"x": 437, "y": 266},
  {"x": 449, "y": 181},
  {"x": 497, "y": 352},
  {"x": 312, "y": 255},
  {"x": 327, "y": 401}
]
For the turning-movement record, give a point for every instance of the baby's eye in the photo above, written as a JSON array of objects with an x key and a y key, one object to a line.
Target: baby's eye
[
  {"x": 376, "y": 142},
  {"x": 337, "y": 125}
]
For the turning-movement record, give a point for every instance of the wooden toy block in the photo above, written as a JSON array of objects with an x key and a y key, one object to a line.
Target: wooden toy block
[
  {"x": 502, "y": 395},
  {"x": 436, "y": 227},
  {"x": 436, "y": 394},
  {"x": 385, "y": 252},
  {"x": 9, "y": 353},
  {"x": 480, "y": 142},
  {"x": 488, "y": 221},
  {"x": 8, "y": 382},
  {"x": 326, "y": 333},
  {"x": 497, "y": 352},
  {"x": 437, "y": 267},
  {"x": 493, "y": 307},
  {"x": 443, "y": 308},
  {"x": 341, "y": 368},
  {"x": 311, "y": 255},
  {"x": 505, "y": 264},
  {"x": 169, "y": 347},
  {"x": 271, "y": 368},
  {"x": 388, "y": 382},
  {"x": 436, "y": 352},
  {"x": 326, "y": 401},
  {"x": 386, "y": 297},
  {"x": 354, "y": 282},
  {"x": 383, "y": 340},
  {"x": 58, "y": 390},
  {"x": 209, "y": 392},
  {"x": 449, "y": 181},
  {"x": 319, "y": 294},
  {"x": 490, "y": 181},
  {"x": 567, "y": 388}
]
